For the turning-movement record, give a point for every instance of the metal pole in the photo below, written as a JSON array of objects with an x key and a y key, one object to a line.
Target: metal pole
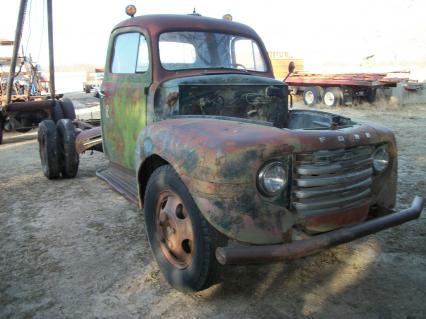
[
  {"x": 16, "y": 44},
  {"x": 51, "y": 60}
]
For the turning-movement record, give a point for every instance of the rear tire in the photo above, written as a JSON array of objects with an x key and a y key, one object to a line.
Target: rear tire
[
  {"x": 378, "y": 97},
  {"x": 48, "y": 149},
  {"x": 68, "y": 157},
  {"x": 333, "y": 97},
  {"x": 57, "y": 112},
  {"x": 313, "y": 95},
  {"x": 68, "y": 109},
  {"x": 185, "y": 254}
]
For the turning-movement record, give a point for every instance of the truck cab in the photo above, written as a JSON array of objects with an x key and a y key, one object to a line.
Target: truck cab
[
  {"x": 158, "y": 68},
  {"x": 199, "y": 134}
]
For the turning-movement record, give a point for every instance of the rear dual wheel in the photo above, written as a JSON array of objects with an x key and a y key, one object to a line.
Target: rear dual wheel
[
  {"x": 63, "y": 109},
  {"x": 57, "y": 149},
  {"x": 68, "y": 157},
  {"x": 182, "y": 241},
  {"x": 47, "y": 142},
  {"x": 68, "y": 109}
]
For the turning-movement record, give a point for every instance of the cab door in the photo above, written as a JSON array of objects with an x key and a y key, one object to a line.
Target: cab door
[{"x": 123, "y": 95}]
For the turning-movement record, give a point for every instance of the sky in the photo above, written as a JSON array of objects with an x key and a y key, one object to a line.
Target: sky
[{"x": 326, "y": 34}]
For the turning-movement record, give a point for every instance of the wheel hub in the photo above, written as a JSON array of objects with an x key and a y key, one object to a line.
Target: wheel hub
[
  {"x": 309, "y": 97},
  {"x": 329, "y": 99},
  {"x": 174, "y": 229}
]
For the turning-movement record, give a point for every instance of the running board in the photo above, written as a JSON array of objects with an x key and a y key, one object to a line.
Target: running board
[{"x": 121, "y": 180}]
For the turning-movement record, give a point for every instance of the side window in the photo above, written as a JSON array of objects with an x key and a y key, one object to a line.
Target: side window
[
  {"x": 143, "y": 56},
  {"x": 130, "y": 54},
  {"x": 247, "y": 54}
]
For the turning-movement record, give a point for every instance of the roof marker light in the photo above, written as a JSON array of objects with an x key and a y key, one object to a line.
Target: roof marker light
[
  {"x": 227, "y": 17},
  {"x": 131, "y": 10}
]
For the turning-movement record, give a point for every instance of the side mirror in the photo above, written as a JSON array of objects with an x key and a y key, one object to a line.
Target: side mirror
[{"x": 291, "y": 68}]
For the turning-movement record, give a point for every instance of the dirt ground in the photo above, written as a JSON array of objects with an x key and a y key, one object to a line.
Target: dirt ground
[{"x": 76, "y": 249}]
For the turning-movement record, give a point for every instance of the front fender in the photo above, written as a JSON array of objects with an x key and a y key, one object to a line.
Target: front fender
[{"x": 222, "y": 182}]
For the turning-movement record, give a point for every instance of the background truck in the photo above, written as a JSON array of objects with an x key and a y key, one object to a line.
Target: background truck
[
  {"x": 198, "y": 133},
  {"x": 93, "y": 81},
  {"x": 347, "y": 88}
]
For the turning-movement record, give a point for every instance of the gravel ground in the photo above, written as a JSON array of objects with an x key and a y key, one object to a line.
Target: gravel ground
[{"x": 75, "y": 248}]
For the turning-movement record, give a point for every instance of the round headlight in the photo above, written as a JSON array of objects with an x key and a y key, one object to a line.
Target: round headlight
[
  {"x": 272, "y": 179},
  {"x": 380, "y": 159}
]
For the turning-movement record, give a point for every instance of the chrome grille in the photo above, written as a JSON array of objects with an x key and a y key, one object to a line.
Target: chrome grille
[{"x": 331, "y": 180}]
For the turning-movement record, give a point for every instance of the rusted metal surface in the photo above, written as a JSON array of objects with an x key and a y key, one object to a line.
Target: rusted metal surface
[
  {"x": 157, "y": 24},
  {"x": 332, "y": 220},
  {"x": 218, "y": 161},
  {"x": 347, "y": 79},
  {"x": 301, "y": 248},
  {"x": 122, "y": 180},
  {"x": 88, "y": 139},
  {"x": 45, "y": 105}
]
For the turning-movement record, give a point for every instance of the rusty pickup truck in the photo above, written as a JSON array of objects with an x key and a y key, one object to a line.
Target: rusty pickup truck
[{"x": 199, "y": 134}]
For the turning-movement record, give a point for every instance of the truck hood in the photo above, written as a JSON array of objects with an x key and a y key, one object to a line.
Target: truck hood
[
  {"x": 229, "y": 151},
  {"x": 234, "y": 77}
]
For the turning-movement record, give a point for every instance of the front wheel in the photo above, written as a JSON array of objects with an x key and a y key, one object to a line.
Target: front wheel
[{"x": 182, "y": 241}]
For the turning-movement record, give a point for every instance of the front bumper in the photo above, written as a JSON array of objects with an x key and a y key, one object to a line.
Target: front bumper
[{"x": 301, "y": 248}]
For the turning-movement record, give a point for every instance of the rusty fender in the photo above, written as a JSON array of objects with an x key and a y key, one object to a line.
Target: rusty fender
[
  {"x": 302, "y": 248},
  {"x": 219, "y": 160}
]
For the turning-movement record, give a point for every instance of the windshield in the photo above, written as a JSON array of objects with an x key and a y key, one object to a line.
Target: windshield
[{"x": 207, "y": 50}]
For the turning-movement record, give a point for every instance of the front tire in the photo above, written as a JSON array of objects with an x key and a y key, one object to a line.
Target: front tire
[{"x": 182, "y": 241}]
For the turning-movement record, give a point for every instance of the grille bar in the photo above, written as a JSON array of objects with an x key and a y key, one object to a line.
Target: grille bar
[
  {"x": 332, "y": 202},
  {"x": 322, "y": 191},
  {"x": 333, "y": 168},
  {"x": 338, "y": 179}
]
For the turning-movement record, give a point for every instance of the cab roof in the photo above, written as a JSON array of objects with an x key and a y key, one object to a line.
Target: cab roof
[{"x": 158, "y": 23}]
